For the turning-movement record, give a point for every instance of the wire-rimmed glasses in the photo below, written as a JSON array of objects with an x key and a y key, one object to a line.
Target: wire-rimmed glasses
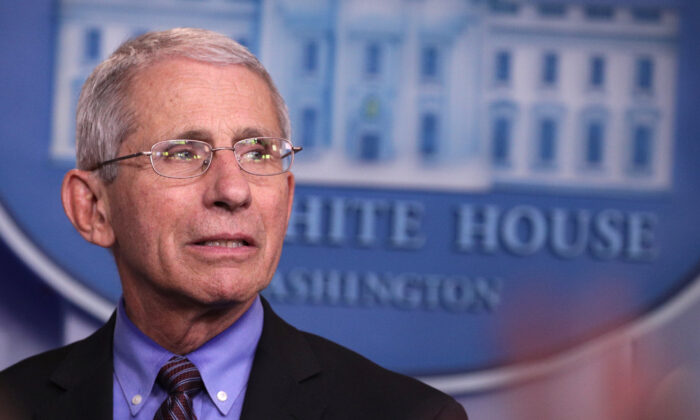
[{"x": 184, "y": 158}]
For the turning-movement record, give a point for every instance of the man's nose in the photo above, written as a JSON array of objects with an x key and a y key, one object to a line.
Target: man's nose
[{"x": 228, "y": 186}]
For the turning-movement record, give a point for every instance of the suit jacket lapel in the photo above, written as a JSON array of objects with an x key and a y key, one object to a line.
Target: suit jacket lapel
[
  {"x": 286, "y": 380},
  {"x": 85, "y": 376}
]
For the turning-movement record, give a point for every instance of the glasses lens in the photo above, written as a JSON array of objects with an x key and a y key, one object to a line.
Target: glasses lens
[
  {"x": 180, "y": 158},
  {"x": 264, "y": 155}
]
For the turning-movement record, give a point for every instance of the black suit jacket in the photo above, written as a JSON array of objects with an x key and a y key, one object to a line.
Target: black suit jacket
[{"x": 295, "y": 375}]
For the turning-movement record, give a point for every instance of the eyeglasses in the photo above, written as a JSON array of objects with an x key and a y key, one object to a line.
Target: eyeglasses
[{"x": 190, "y": 158}]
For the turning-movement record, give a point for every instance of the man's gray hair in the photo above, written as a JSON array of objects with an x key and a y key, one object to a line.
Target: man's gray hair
[{"x": 104, "y": 118}]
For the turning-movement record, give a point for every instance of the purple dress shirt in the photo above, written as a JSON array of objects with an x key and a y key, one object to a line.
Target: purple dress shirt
[{"x": 224, "y": 363}]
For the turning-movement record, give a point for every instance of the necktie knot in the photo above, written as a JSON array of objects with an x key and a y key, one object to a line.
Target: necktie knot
[
  {"x": 181, "y": 379},
  {"x": 179, "y": 375}
]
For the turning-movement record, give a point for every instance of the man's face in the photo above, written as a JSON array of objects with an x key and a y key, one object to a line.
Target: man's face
[{"x": 215, "y": 239}]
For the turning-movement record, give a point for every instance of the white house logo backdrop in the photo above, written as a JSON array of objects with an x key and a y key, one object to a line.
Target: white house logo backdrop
[{"x": 483, "y": 182}]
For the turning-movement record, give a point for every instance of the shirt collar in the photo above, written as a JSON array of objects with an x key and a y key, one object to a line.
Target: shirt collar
[{"x": 224, "y": 362}]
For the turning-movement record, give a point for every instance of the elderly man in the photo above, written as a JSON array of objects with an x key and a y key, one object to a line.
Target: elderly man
[{"x": 184, "y": 159}]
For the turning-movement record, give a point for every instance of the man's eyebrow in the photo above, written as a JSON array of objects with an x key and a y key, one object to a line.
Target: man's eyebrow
[
  {"x": 240, "y": 134},
  {"x": 203, "y": 135},
  {"x": 249, "y": 132}
]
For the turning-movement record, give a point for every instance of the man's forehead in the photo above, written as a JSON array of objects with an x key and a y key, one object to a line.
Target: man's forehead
[
  {"x": 161, "y": 77},
  {"x": 153, "y": 93}
]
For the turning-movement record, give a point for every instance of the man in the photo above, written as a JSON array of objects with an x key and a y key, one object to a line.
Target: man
[{"x": 184, "y": 175}]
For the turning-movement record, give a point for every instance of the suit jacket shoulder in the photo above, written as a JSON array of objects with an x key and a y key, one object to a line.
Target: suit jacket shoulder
[
  {"x": 74, "y": 381},
  {"x": 371, "y": 391},
  {"x": 301, "y": 375}
]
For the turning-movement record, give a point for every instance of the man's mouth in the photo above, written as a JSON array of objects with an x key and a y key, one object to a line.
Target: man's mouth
[{"x": 224, "y": 243}]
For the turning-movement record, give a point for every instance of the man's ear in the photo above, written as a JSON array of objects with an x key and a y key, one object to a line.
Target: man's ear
[{"x": 85, "y": 204}]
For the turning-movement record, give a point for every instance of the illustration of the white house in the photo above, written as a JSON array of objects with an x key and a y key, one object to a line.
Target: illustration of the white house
[{"x": 433, "y": 94}]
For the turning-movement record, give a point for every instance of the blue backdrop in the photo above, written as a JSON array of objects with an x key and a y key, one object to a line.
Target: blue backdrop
[{"x": 484, "y": 183}]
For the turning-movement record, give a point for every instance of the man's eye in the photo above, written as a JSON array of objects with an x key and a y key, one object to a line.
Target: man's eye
[
  {"x": 255, "y": 155},
  {"x": 182, "y": 154}
]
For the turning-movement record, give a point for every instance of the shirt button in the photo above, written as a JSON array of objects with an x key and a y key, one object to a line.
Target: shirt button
[
  {"x": 136, "y": 400},
  {"x": 221, "y": 395}
]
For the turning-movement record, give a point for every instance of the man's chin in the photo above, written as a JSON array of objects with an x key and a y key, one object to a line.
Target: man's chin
[{"x": 226, "y": 296}]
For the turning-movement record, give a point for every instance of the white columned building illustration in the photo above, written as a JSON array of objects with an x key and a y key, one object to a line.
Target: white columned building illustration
[
  {"x": 432, "y": 94},
  {"x": 579, "y": 95}
]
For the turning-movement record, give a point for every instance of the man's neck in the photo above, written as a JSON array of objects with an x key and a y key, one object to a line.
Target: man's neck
[{"x": 181, "y": 329}]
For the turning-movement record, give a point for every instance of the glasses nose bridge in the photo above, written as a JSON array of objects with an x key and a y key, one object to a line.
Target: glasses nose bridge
[{"x": 218, "y": 149}]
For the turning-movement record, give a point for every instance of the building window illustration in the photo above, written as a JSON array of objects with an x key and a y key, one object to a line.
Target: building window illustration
[
  {"x": 373, "y": 57},
  {"x": 646, "y": 14},
  {"x": 501, "y": 132},
  {"x": 502, "y": 67},
  {"x": 597, "y": 72},
  {"x": 369, "y": 146},
  {"x": 551, "y": 9},
  {"x": 550, "y": 69},
  {"x": 93, "y": 39},
  {"x": 546, "y": 142},
  {"x": 644, "y": 75},
  {"x": 310, "y": 57},
  {"x": 641, "y": 148},
  {"x": 309, "y": 120},
  {"x": 504, "y": 7},
  {"x": 594, "y": 144},
  {"x": 500, "y": 140},
  {"x": 599, "y": 12},
  {"x": 429, "y": 135},
  {"x": 429, "y": 64},
  {"x": 593, "y": 136},
  {"x": 642, "y": 144}
]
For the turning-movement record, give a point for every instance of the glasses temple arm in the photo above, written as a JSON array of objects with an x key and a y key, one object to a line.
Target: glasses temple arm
[
  {"x": 295, "y": 149},
  {"x": 117, "y": 159}
]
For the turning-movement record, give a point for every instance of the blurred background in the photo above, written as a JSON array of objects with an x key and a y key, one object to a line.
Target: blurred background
[{"x": 499, "y": 197}]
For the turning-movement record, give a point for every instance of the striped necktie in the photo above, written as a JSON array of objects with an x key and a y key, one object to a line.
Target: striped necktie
[{"x": 180, "y": 378}]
